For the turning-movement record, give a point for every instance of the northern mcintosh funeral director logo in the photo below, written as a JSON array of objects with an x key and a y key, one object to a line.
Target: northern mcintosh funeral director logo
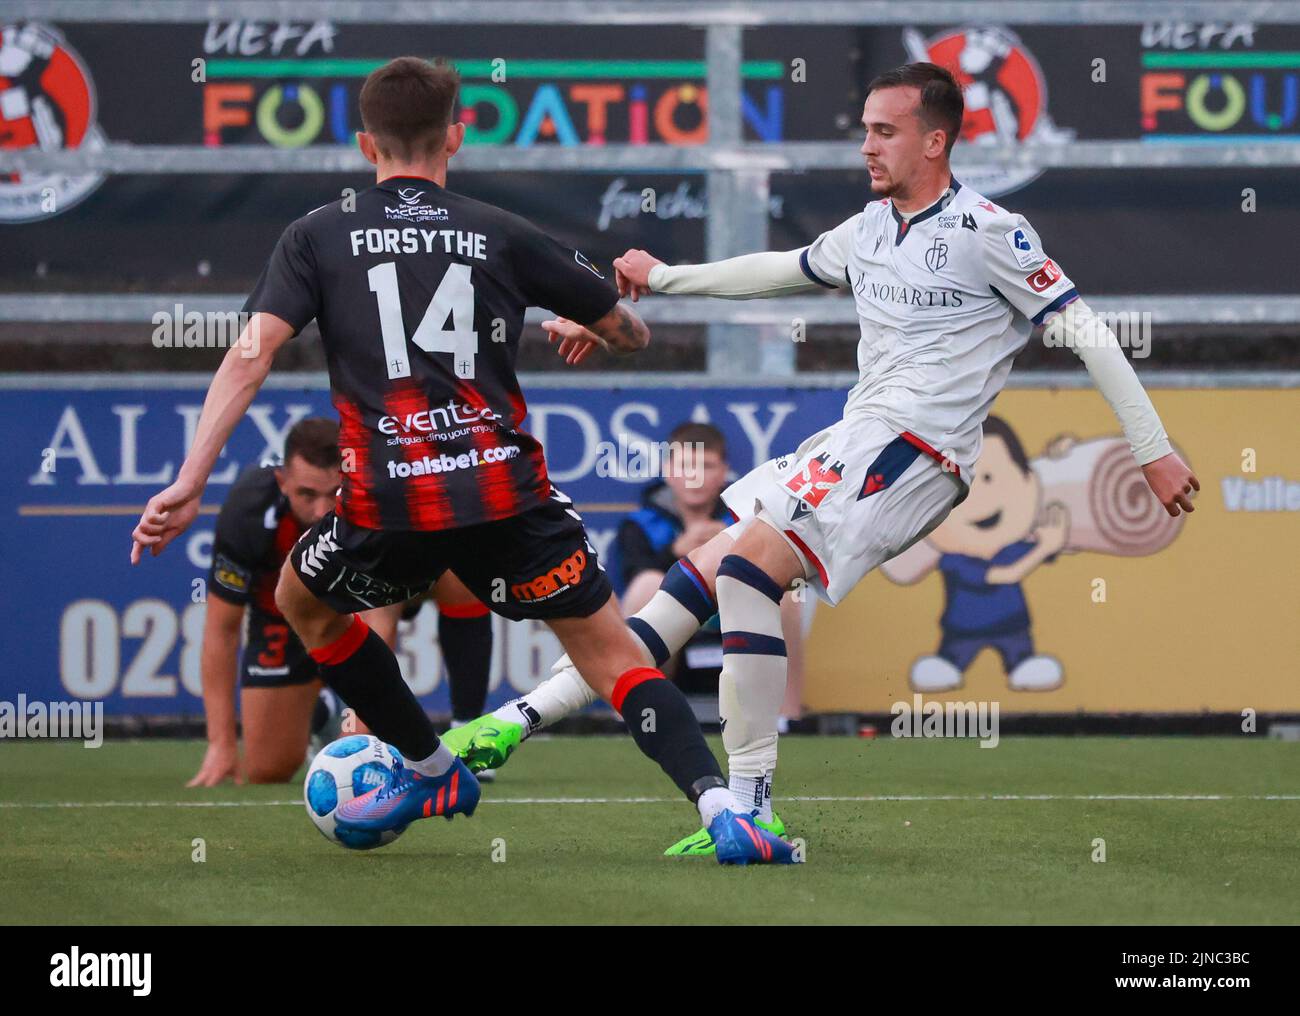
[{"x": 47, "y": 101}]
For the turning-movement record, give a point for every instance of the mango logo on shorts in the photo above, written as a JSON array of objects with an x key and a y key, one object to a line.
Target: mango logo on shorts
[{"x": 567, "y": 573}]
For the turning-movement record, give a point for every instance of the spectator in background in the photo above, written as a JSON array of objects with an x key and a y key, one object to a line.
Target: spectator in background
[
  {"x": 684, "y": 511},
  {"x": 677, "y": 514}
]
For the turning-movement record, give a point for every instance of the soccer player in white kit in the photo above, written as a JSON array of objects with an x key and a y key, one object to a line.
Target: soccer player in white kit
[{"x": 948, "y": 286}]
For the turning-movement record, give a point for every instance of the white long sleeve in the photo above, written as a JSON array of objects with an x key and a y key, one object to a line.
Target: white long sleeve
[
  {"x": 767, "y": 273},
  {"x": 1096, "y": 345}
]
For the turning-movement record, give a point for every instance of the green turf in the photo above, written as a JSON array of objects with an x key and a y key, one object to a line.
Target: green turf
[{"x": 959, "y": 861}]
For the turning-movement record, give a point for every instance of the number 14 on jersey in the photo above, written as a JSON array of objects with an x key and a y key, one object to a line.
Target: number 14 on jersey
[{"x": 454, "y": 297}]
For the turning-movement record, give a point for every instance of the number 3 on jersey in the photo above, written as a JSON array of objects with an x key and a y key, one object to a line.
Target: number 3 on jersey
[{"x": 454, "y": 296}]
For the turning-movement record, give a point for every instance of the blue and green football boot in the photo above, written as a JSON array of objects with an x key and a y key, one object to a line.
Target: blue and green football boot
[{"x": 700, "y": 844}]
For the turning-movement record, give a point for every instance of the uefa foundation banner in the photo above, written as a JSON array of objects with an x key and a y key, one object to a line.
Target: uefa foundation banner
[
  {"x": 228, "y": 85},
  {"x": 1061, "y": 586},
  {"x": 1058, "y": 586}
]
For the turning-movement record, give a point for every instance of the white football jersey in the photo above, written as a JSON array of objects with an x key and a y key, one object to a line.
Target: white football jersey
[{"x": 945, "y": 300}]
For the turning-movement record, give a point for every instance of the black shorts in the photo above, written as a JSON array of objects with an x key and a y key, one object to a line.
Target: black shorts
[
  {"x": 273, "y": 656},
  {"x": 534, "y": 565}
]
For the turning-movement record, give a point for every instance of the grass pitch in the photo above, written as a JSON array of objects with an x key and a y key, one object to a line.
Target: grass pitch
[{"x": 1196, "y": 830}]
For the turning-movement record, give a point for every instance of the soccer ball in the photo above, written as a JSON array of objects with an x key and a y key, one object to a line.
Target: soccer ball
[{"x": 342, "y": 770}]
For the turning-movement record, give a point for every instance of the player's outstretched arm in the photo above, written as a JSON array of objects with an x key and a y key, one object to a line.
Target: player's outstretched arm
[
  {"x": 750, "y": 276},
  {"x": 170, "y": 512},
  {"x": 1168, "y": 476}
]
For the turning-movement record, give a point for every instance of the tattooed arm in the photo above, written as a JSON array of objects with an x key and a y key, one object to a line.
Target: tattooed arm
[
  {"x": 623, "y": 330},
  {"x": 620, "y": 331}
]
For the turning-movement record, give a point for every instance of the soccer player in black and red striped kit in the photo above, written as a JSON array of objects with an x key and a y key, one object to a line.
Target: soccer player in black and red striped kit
[{"x": 420, "y": 294}]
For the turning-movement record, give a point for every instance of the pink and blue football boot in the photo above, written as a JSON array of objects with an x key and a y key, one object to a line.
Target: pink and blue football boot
[
  {"x": 741, "y": 840},
  {"x": 407, "y": 796}
]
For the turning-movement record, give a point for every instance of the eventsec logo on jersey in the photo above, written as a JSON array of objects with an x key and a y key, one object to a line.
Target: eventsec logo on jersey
[
  {"x": 47, "y": 101},
  {"x": 438, "y": 423}
]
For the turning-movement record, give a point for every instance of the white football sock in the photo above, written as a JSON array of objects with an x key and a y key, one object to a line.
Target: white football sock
[
  {"x": 512, "y": 713},
  {"x": 752, "y": 684},
  {"x": 436, "y": 764},
  {"x": 680, "y": 605},
  {"x": 713, "y": 802},
  {"x": 669, "y": 620},
  {"x": 562, "y": 694},
  {"x": 753, "y": 793}
]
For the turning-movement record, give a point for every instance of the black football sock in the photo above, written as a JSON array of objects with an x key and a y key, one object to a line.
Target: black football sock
[
  {"x": 465, "y": 635},
  {"x": 323, "y": 710},
  {"x": 661, "y": 723},
  {"x": 361, "y": 668}
]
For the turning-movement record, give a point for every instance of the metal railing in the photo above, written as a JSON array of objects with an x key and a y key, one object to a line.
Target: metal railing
[{"x": 750, "y": 339}]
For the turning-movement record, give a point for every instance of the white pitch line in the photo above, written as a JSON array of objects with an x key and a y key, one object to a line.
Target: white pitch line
[
  {"x": 146, "y": 804},
  {"x": 864, "y": 798},
  {"x": 1056, "y": 797}
]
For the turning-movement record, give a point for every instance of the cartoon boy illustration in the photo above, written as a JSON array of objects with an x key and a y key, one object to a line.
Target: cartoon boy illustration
[{"x": 987, "y": 546}]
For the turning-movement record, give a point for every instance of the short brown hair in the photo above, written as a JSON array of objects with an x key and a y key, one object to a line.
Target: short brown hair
[
  {"x": 942, "y": 106},
  {"x": 315, "y": 440},
  {"x": 703, "y": 434},
  {"x": 407, "y": 105}
]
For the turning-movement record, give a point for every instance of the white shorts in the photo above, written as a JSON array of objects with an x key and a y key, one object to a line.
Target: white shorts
[{"x": 850, "y": 498}]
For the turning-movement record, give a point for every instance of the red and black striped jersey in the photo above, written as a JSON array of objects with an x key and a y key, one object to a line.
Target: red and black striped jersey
[
  {"x": 420, "y": 294},
  {"x": 255, "y": 532}
]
